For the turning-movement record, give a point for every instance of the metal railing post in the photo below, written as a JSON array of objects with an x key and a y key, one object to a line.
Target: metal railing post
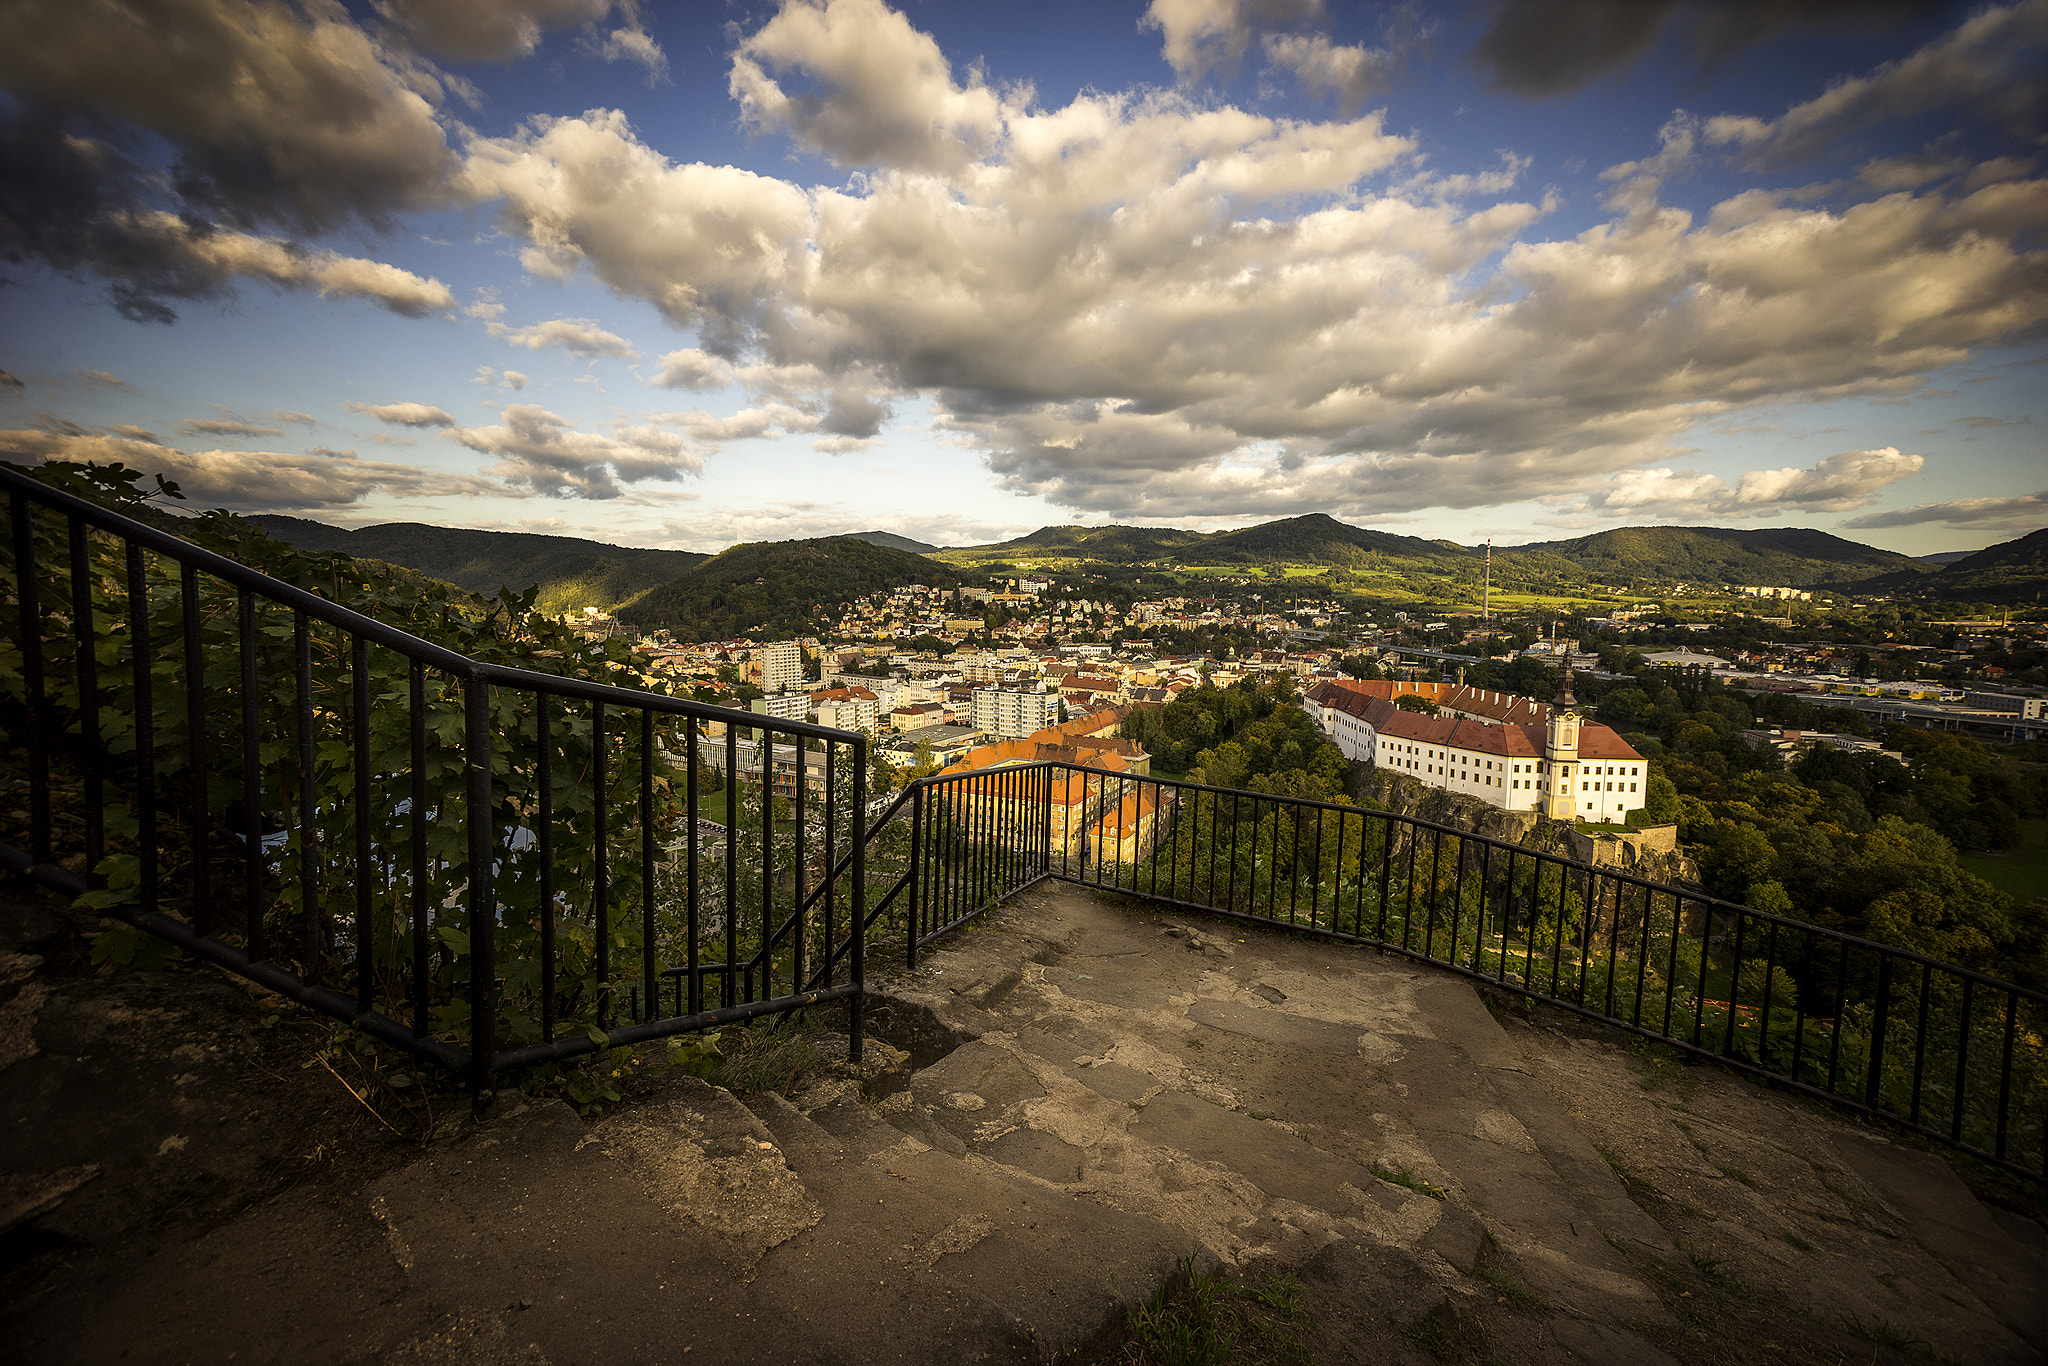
[
  {"x": 857, "y": 965},
  {"x": 483, "y": 910}
]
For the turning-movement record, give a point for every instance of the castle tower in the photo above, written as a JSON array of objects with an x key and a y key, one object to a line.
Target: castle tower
[{"x": 1561, "y": 755}]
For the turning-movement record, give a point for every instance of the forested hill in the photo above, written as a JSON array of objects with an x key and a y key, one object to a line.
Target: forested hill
[
  {"x": 1319, "y": 538},
  {"x": 779, "y": 587},
  {"x": 570, "y": 572},
  {"x": 1107, "y": 544},
  {"x": 893, "y": 541},
  {"x": 1798, "y": 557},
  {"x": 2011, "y": 571}
]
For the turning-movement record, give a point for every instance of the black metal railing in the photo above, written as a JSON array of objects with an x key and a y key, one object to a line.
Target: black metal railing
[
  {"x": 1948, "y": 1053},
  {"x": 485, "y": 865},
  {"x": 491, "y": 866}
]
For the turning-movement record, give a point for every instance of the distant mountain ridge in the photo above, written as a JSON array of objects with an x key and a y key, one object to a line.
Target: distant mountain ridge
[
  {"x": 2011, "y": 571},
  {"x": 1793, "y": 557},
  {"x": 1798, "y": 557},
  {"x": 890, "y": 540},
  {"x": 571, "y": 572}
]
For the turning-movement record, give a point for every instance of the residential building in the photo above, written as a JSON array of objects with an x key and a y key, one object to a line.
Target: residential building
[
  {"x": 1010, "y": 714},
  {"x": 848, "y": 709},
  {"x": 782, "y": 666},
  {"x": 785, "y": 706}
]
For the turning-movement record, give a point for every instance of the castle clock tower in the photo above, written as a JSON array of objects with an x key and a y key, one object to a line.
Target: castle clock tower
[{"x": 1561, "y": 755}]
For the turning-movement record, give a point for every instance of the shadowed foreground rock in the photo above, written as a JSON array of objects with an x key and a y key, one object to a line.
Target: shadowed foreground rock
[{"x": 1079, "y": 1094}]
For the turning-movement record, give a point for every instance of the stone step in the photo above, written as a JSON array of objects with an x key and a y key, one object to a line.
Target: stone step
[{"x": 1268, "y": 1095}]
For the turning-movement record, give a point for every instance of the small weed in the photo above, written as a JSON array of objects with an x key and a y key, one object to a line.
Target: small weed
[
  {"x": 1205, "y": 1318},
  {"x": 1506, "y": 1289},
  {"x": 1717, "y": 1271},
  {"x": 1435, "y": 1335},
  {"x": 1662, "y": 1062},
  {"x": 1736, "y": 1174},
  {"x": 1798, "y": 1242},
  {"x": 1885, "y": 1333},
  {"x": 1632, "y": 1182},
  {"x": 1408, "y": 1179},
  {"x": 764, "y": 1059}
]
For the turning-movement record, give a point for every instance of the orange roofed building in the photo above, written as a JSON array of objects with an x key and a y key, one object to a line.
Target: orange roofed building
[{"x": 1118, "y": 820}]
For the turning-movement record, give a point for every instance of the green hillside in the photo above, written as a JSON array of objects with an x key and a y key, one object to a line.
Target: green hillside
[
  {"x": 571, "y": 573},
  {"x": 2011, "y": 571},
  {"x": 778, "y": 587},
  {"x": 892, "y": 541},
  {"x": 1317, "y": 538},
  {"x": 1105, "y": 544},
  {"x": 1798, "y": 557}
]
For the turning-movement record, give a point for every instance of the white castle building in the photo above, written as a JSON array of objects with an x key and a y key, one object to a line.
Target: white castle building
[{"x": 1533, "y": 758}]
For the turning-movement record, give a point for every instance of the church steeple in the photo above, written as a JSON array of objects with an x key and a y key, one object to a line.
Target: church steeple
[
  {"x": 1561, "y": 754},
  {"x": 1564, "y": 688}
]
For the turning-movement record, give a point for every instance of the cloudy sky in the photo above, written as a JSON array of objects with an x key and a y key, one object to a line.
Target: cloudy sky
[{"x": 682, "y": 275}]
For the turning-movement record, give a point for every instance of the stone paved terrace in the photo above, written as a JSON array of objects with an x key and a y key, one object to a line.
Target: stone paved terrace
[{"x": 1081, "y": 1092}]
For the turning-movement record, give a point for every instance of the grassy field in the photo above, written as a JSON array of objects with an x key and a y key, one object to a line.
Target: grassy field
[{"x": 2021, "y": 874}]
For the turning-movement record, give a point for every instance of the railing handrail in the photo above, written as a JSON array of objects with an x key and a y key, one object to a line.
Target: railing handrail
[
  {"x": 403, "y": 642},
  {"x": 1703, "y": 898}
]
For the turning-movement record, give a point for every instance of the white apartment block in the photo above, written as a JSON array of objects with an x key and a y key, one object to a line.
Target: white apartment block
[
  {"x": 782, "y": 666},
  {"x": 849, "y": 709},
  {"x": 1009, "y": 715},
  {"x": 785, "y": 706}
]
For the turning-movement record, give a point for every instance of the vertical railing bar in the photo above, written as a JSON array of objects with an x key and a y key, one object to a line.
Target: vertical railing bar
[
  {"x": 1643, "y": 957},
  {"x": 308, "y": 814},
  {"x": 1799, "y": 1010},
  {"x": 831, "y": 927},
  {"x": 913, "y": 908},
  {"x": 856, "y": 1031},
  {"x": 1215, "y": 842},
  {"x": 2012, "y": 1007},
  {"x": 728, "y": 991},
  {"x": 141, "y": 653},
  {"x": 365, "y": 852},
  {"x": 1671, "y": 971},
  {"x": 28, "y": 603},
  {"x": 1920, "y": 1040},
  {"x": 1337, "y": 878},
  {"x": 693, "y": 906},
  {"x": 252, "y": 782},
  {"x": 767, "y": 954},
  {"x": 1841, "y": 1001},
  {"x": 418, "y": 768},
  {"x": 600, "y": 866},
  {"x": 650, "y": 950},
  {"x": 1386, "y": 873},
  {"x": 483, "y": 909},
  {"x": 1436, "y": 871},
  {"x": 1763, "y": 1028},
  {"x": 1564, "y": 890},
  {"x": 1613, "y": 946},
  {"x": 544, "y": 848},
  {"x": 1273, "y": 866},
  {"x": 1699, "y": 1000},
  {"x": 1479, "y": 931},
  {"x": 199, "y": 813},
  {"x": 1590, "y": 908},
  {"x": 1955, "y": 1122},
  {"x": 1507, "y": 913},
  {"x": 1230, "y": 901},
  {"x": 84, "y": 620},
  {"x": 1464, "y": 848},
  {"x": 1735, "y": 985}
]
